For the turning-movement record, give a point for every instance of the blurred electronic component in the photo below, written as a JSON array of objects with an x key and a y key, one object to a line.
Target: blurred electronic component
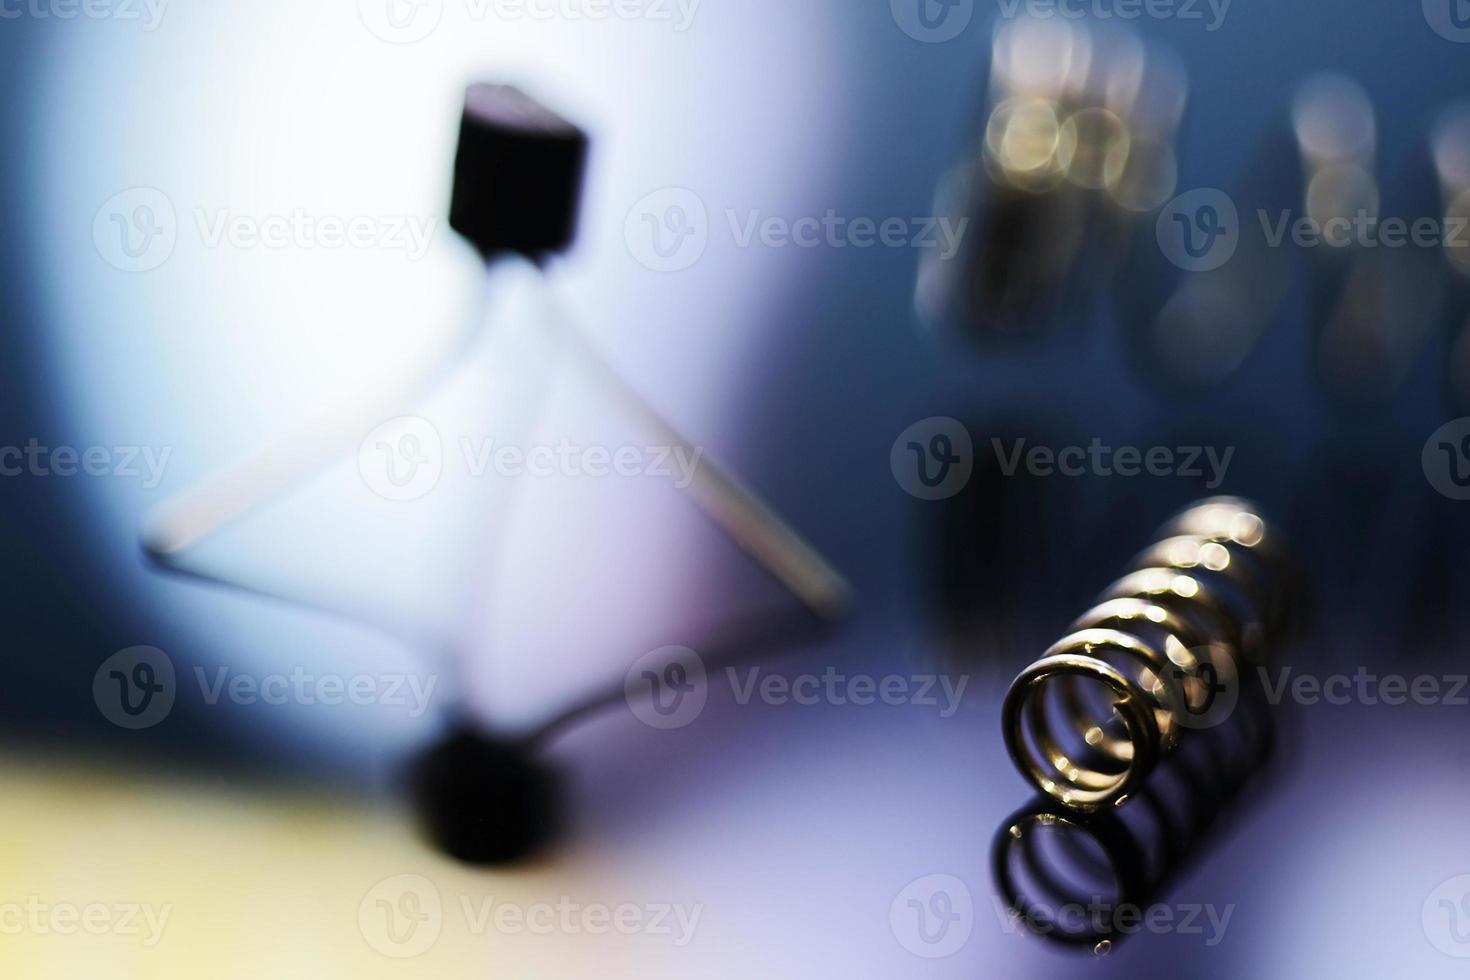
[
  {"x": 1078, "y": 142},
  {"x": 1375, "y": 300},
  {"x": 517, "y": 187},
  {"x": 1163, "y": 652},
  {"x": 1336, "y": 134},
  {"x": 517, "y": 174},
  {"x": 1190, "y": 328},
  {"x": 505, "y": 135},
  {"x": 1450, "y": 148}
]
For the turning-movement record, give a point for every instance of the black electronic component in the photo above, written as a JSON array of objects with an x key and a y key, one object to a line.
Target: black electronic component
[{"x": 517, "y": 174}]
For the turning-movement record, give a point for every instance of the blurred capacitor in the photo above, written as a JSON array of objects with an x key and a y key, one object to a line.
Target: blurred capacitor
[
  {"x": 1077, "y": 141},
  {"x": 1027, "y": 221},
  {"x": 1450, "y": 149},
  {"x": 1316, "y": 167},
  {"x": 1374, "y": 301},
  {"x": 1151, "y": 101},
  {"x": 1189, "y": 329}
]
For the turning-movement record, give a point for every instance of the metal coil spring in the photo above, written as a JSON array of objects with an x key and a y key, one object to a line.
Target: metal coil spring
[
  {"x": 1163, "y": 651},
  {"x": 1047, "y": 858}
]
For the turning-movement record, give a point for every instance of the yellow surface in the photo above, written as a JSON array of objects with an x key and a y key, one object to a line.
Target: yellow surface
[{"x": 248, "y": 884}]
